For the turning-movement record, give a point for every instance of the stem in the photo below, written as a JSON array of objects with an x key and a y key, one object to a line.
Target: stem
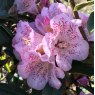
[{"x": 77, "y": 17}]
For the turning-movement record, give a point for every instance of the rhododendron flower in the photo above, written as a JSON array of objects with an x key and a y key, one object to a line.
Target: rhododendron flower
[
  {"x": 83, "y": 81},
  {"x": 24, "y": 38},
  {"x": 65, "y": 42},
  {"x": 47, "y": 46},
  {"x": 38, "y": 71},
  {"x": 42, "y": 20},
  {"x": 22, "y": 6},
  {"x": 84, "y": 17},
  {"x": 35, "y": 66}
]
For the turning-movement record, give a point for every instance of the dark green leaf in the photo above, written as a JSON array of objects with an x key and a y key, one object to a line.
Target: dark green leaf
[
  {"x": 4, "y": 14},
  {"x": 6, "y": 4},
  {"x": 8, "y": 31},
  {"x": 5, "y": 39},
  {"x": 36, "y": 92},
  {"x": 11, "y": 89},
  {"x": 90, "y": 23},
  {"x": 82, "y": 5},
  {"x": 79, "y": 67}
]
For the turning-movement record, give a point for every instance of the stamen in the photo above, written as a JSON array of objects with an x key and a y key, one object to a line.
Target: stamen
[
  {"x": 61, "y": 45},
  {"x": 40, "y": 49},
  {"x": 27, "y": 41}
]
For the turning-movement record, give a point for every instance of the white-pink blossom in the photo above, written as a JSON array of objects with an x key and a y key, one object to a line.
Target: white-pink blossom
[
  {"x": 65, "y": 42},
  {"x": 35, "y": 65},
  {"x": 48, "y": 46},
  {"x": 22, "y": 6},
  {"x": 84, "y": 17}
]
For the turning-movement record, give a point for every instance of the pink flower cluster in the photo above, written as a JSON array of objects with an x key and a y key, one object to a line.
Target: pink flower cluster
[{"x": 47, "y": 47}]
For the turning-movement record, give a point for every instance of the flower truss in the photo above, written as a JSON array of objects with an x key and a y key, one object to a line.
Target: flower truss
[{"x": 46, "y": 47}]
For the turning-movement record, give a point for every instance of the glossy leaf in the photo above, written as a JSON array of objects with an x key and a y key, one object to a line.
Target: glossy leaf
[
  {"x": 4, "y": 14},
  {"x": 36, "y": 92},
  {"x": 5, "y": 39},
  {"x": 81, "y": 68},
  {"x": 82, "y": 5},
  {"x": 6, "y": 4},
  {"x": 11, "y": 89},
  {"x": 90, "y": 23}
]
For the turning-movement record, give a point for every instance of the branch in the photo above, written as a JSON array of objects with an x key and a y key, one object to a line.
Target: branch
[{"x": 72, "y": 3}]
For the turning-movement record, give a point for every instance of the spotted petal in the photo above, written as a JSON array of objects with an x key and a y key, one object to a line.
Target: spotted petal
[
  {"x": 39, "y": 76},
  {"x": 53, "y": 81},
  {"x": 39, "y": 24},
  {"x": 27, "y": 64},
  {"x": 79, "y": 50},
  {"x": 64, "y": 61},
  {"x": 56, "y": 9},
  {"x": 63, "y": 25},
  {"x": 26, "y": 6}
]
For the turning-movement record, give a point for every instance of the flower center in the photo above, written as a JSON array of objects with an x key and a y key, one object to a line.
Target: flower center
[
  {"x": 48, "y": 29},
  {"x": 40, "y": 49},
  {"x": 61, "y": 44},
  {"x": 26, "y": 41}
]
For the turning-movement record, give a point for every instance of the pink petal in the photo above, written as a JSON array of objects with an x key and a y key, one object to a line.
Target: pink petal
[
  {"x": 44, "y": 57},
  {"x": 77, "y": 22},
  {"x": 33, "y": 26},
  {"x": 84, "y": 17},
  {"x": 26, "y": 38},
  {"x": 53, "y": 81},
  {"x": 37, "y": 40},
  {"x": 46, "y": 41},
  {"x": 29, "y": 61},
  {"x": 31, "y": 56},
  {"x": 64, "y": 62},
  {"x": 24, "y": 69},
  {"x": 70, "y": 12},
  {"x": 39, "y": 76},
  {"x": 23, "y": 30},
  {"x": 56, "y": 9},
  {"x": 26, "y": 6},
  {"x": 90, "y": 36},
  {"x": 60, "y": 73},
  {"x": 21, "y": 48},
  {"x": 45, "y": 12},
  {"x": 17, "y": 55},
  {"x": 61, "y": 24},
  {"x": 39, "y": 24},
  {"x": 79, "y": 50}
]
